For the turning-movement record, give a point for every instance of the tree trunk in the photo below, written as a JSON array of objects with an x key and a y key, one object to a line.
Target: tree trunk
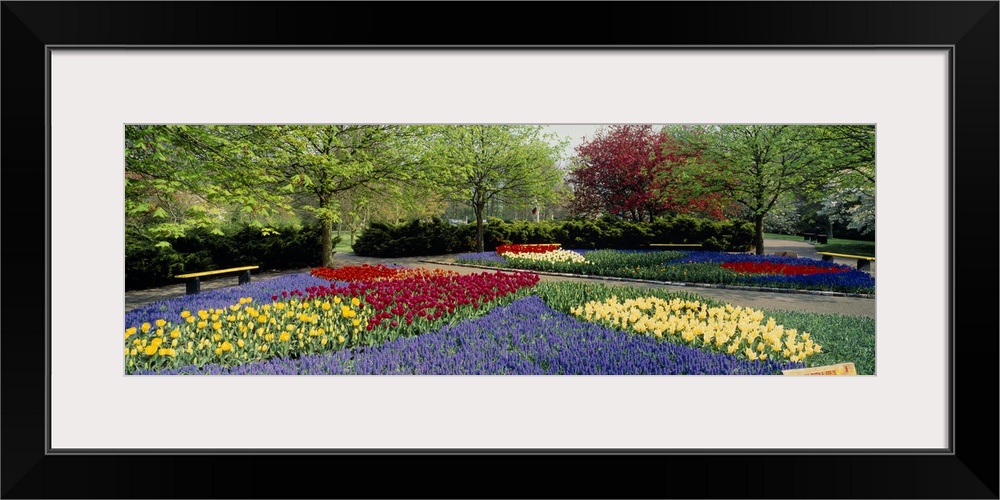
[
  {"x": 327, "y": 243},
  {"x": 758, "y": 238},
  {"x": 479, "y": 226}
]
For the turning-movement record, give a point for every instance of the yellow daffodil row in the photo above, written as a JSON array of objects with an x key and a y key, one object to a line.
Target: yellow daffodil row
[
  {"x": 732, "y": 329},
  {"x": 243, "y": 333},
  {"x": 557, "y": 255}
]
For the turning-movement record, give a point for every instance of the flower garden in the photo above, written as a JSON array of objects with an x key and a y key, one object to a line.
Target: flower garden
[
  {"x": 720, "y": 268},
  {"x": 383, "y": 320}
]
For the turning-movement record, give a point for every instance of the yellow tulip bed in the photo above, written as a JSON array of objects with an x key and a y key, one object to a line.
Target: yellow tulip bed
[
  {"x": 740, "y": 331},
  {"x": 243, "y": 332}
]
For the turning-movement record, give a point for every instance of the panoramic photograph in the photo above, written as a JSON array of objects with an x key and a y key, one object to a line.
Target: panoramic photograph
[{"x": 499, "y": 249}]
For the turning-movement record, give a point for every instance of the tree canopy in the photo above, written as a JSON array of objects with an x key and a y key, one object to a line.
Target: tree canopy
[
  {"x": 760, "y": 165},
  {"x": 632, "y": 171},
  {"x": 317, "y": 163},
  {"x": 511, "y": 164},
  {"x": 180, "y": 177}
]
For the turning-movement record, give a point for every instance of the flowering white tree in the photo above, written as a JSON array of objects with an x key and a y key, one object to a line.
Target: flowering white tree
[
  {"x": 850, "y": 198},
  {"x": 853, "y": 207},
  {"x": 783, "y": 218}
]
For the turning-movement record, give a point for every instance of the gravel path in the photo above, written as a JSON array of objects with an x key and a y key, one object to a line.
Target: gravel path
[{"x": 852, "y": 306}]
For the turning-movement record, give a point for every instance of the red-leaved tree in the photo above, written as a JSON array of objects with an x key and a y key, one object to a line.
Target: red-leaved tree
[
  {"x": 626, "y": 170},
  {"x": 616, "y": 170}
]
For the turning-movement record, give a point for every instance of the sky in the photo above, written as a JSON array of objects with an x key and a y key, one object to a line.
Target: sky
[{"x": 576, "y": 134}]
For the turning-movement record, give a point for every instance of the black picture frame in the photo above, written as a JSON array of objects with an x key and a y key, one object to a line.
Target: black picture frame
[{"x": 969, "y": 28}]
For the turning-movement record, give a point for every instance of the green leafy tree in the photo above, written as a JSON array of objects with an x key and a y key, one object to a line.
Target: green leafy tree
[
  {"x": 319, "y": 162},
  {"x": 757, "y": 164},
  {"x": 180, "y": 177},
  {"x": 513, "y": 165}
]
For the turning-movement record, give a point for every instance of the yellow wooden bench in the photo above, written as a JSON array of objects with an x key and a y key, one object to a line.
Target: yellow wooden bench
[
  {"x": 864, "y": 263},
  {"x": 194, "y": 279},
  {"x": 678, "y": 246}
]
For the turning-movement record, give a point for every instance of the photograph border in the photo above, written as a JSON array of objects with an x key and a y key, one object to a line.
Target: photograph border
[
  {"x": 32, "y": 29},
  {"x": 86, "y": 130}
]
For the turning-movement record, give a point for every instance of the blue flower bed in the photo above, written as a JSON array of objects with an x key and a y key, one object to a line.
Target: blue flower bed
[
  {"x": 485, "y": 258},
  {"x": 849, "y": 280},
  {"x": 526, "y": 337},
  {"x": 702, "y": 257}
]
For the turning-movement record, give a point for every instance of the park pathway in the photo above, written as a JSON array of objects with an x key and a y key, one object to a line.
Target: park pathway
[{"x": 851, "y": 306}]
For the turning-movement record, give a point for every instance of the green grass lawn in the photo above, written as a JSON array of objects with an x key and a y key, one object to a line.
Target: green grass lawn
[
  {"x": 786, "y": 237},
  {"x": 833, "y": 245},
  {"x": 851, "y": 247},
  {"x": 345, "y": 242}
]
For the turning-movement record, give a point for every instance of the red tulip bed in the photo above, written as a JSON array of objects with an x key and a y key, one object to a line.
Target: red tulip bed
[
  {"x": 515, "y": 249},
  {"x": 781, "y": 268},
  {"x": 421, "y": 295},
  {"x": 366, "y": 272}
]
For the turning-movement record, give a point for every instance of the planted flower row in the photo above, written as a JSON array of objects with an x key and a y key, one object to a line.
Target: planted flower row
[
  {"x": 515, "y": 248},
  {"x": 350, "y": 319},
  {"x": 320, "y": 319},
  {"x": 364, "y": 272},
  {"x": 784, "y": 272},
  {"x": 245, "y": 332},
  {"x": 221, "y": 298},
  {"x": 780, "y": 268},
  {"x": 551, "y": 257},
  {"x": 732, "y": 329},
  {"x": 527, "y": 337},
  {"x": 426, "y": 296},
  {"x": 689, "y": 267}
]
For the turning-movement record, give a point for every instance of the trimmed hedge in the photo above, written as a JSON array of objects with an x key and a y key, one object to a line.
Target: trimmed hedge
[
  {"x": 409, "y": 239},
  {"x": 436, "y": 237},
  {"x": 147, "y": 265}
]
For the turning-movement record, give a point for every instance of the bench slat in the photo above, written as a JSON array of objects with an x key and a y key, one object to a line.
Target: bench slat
[
  {"x": 846, "y": 256},
  {"x": 219, "y": 271}
]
